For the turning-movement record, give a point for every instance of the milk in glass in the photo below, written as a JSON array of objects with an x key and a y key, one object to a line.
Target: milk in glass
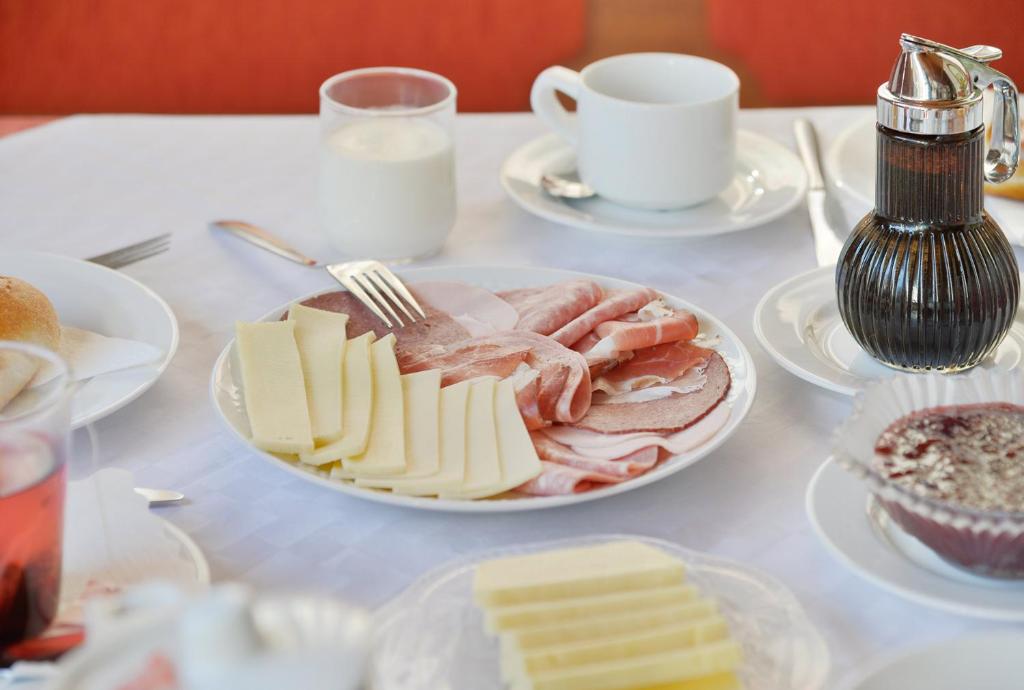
[{"x": 387, "y": 186}]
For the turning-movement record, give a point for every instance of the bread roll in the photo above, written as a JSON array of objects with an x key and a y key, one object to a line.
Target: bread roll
[{"x": 27, "y": 316}]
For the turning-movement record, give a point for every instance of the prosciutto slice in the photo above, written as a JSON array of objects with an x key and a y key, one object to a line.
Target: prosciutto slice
[
  {"x": 545, "y": 310},
  {"x": 654, "y": 365},
  {"x": 613, "y": 307},
  {"x": 621, "y": 336},
  {"x": 563, "y": 480},
  {"x": 630, "y": 464},
  {"x": 667, "y": 414},
  {"x": 563, "y": 379}
]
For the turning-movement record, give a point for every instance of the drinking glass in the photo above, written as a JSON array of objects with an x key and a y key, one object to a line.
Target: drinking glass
[
  {"x": 387, "y": 162},
  {"x": 34, "y": 437}
]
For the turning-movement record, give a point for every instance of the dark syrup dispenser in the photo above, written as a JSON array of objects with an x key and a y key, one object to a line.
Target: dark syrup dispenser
[{"x": 927, "y": 281}]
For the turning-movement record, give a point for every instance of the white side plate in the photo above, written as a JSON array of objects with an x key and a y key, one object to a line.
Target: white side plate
[
  {"x": 107, "y": 302},
  {"x": 770, "y": 181},
  {"x": 227, "y": 398}
]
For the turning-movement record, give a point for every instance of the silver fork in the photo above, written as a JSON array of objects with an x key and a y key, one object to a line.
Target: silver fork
[
  {"x": 120, "y": 258},
  {"x": 371, "y": 282}
]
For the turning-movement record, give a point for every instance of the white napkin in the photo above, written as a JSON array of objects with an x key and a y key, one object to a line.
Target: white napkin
[
  {"x": 112, "y": 540},
  {"x": 90, "y": 354}
]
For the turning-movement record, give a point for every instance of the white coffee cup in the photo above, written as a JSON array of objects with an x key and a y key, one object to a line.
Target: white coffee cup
[{"x": 652, "y": 130}]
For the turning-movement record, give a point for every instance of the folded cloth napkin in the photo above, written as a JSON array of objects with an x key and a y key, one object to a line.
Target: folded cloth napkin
[{"x": 90, "y": 354}]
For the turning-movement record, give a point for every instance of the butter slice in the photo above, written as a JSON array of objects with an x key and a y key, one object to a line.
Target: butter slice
[
  {"x": 453, "y": 413},
  {"x": 320, "y": 336},
  {"x": 623, "y": 646},
  {"x": 357, "y": 403},
  {"x": 385, "y": 447},
  {"x": 575, "y": 572},
  {"x": 421, "y": 393},
  {"x": 518, "y": 616},
  {"x": 640, "y": 672},
  {"x": 483, "y": 465},
  {"x": 275, "y": 393}
]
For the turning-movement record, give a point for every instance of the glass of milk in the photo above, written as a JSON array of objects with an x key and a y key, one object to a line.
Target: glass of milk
[{"x": 387, "y": 162}]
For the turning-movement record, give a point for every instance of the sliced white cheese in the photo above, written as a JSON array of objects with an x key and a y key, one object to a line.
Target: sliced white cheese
[
  {"x": 519, "y": 616},
  {"x": 640, "y": 671},
  {"x": 357, "y": 403},
  {"x": 385, "y": 447},
  {"x": 275, "y": 393},
  {"x": 580, "y": 571},
  {"x": 519, "y": 461},
  {"x": 320, "y": 336},
  {"x": 453, "y": 413},
  {"x": 421, "y": 393},
  {"x": 623, "y": 646},
  {"x": 483, "y": 465}
]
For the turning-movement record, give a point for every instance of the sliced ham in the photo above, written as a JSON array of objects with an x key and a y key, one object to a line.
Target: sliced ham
[
  {"x": 609, "y": 447},
  {"x": 690, "y": 382},
  {"x": 654, "y": 365},
  {"x": 479, "y": 311},
  {"x": 562, "y": 480},
  {"x": 622, "y": 336},
  {"x": 613, "y": 307},
  {"x": 667, "y": 414},
  {"x": 436, "y": 331},
  {"x": 545, "y": 310},
  {"x": 630, "y": 464},
  {"x": 563, "y": 381}
]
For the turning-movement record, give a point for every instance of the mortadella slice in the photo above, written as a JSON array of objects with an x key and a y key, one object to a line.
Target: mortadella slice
[
  {"x": 545, "y": 310},
  {"x": 667, "y": 414},
  {"x": 630, "y": 464},
  {"x": 562, "y": 480}
]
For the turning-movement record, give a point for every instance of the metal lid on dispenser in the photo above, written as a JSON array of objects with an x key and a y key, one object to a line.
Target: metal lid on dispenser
[{"x": 937, "y": 89}]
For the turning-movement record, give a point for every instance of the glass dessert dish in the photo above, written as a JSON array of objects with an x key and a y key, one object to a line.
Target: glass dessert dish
[{"x": 967, "y": 507}]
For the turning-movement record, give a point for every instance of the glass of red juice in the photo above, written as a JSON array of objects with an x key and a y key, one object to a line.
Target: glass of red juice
[{"x": 34, "y": 435}]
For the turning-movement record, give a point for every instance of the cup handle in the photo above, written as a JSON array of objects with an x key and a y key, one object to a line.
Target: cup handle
[{"x": 545, "y": 104}]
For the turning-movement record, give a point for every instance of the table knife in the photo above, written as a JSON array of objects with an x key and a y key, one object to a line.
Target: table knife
[{"x": 826, "y": 243}]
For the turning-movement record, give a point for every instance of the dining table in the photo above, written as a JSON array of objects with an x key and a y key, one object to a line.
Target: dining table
[{"x": 87, "y": 184}]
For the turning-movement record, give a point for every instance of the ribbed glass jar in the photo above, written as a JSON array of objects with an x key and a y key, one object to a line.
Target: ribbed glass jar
[{"x": 927, "y": 281}]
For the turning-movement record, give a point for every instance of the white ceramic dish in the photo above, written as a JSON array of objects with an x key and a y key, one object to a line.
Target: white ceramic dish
[
  {"x": 863, "y": 538},
  {"x": 191, "y": 551},
  {"x": 797, "y": 322},
  {"x": 987, "y": 661},
  {"x": 99, "y": 299},
  {"x": 227, "y": 399},
  {"x": 850, "y": 163},
  {"x": 769, "y": 182},
  {"x": 431, "y": 636}
]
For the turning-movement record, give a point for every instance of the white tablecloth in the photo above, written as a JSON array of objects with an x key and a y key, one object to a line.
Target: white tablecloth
[{"x": 93, "y": 183}]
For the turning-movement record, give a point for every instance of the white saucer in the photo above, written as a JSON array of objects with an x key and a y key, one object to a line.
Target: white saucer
[
  {"x": 988, "y": 661},
  {"x": 851, "y": 165},
  {"x": 863, "y": 538},
  {"x": 99, "y": 299},
  {"x": 770, "y": 181},
  {"x": 797, "y": 322}
]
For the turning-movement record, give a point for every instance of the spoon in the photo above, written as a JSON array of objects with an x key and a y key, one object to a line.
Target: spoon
[{"x": 568, "y": 186}]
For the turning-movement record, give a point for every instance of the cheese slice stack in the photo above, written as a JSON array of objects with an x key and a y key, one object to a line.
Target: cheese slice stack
[
  {"x": 343, "y": 407},
  {"x": 616, "y": 616}
]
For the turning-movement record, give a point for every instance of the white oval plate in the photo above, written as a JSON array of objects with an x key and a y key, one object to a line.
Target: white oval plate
[
  {"x": 227, "y": 398},
  {"x": 770, "y": 181},
  {"x": 432, "y": 636},
  {"x": 851, "y": 164},
  {"x": 987, "y": 661},
  {"x": 862, "y": 537},
  {"x": 797, "y": 322},
  {"x": 102, "y": 300}
]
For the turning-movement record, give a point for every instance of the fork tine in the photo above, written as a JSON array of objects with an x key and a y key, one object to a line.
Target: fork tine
[
  {"x": 399, "y": 287},
  {"x": 133, "y": 252},
  {"x": 382, "y": 284},
  {"x": 350, "y": 284},
  {"x": 371, "y": 289}
]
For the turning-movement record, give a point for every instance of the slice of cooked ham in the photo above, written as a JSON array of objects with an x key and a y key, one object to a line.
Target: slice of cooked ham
[
  {"x": 614, "y": 306},
  {"x": 479, "y": 311},
  {"x": 667, "y": 414},
  {"x": 630, "y": 464},
  {"x": 562, "y": 480},
  {"x": 544, "y": 310},
  {"x": 563, "y": 381}
]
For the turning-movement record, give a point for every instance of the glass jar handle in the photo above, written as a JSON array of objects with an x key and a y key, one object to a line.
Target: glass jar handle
[{"x": 1004, "y": 153}]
